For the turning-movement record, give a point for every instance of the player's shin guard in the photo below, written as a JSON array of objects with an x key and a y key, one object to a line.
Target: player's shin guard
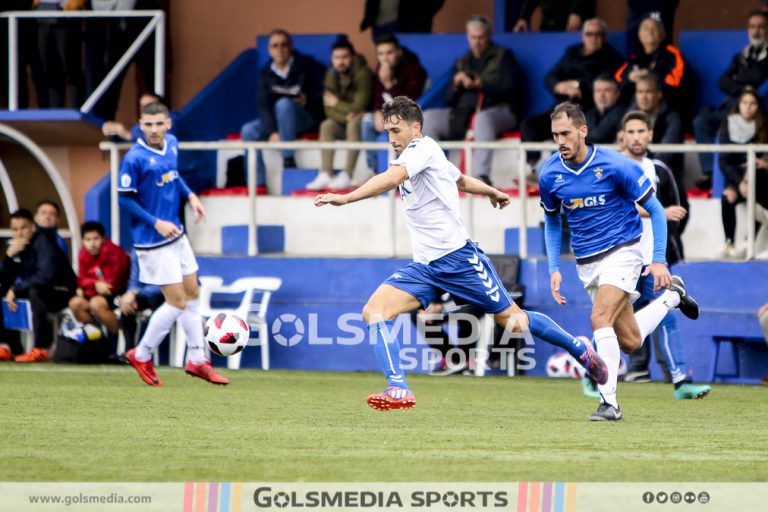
[
  {"x": 545, "y": 328},
  {"x": 159, "y": 326},
  {"x": 608, "y": 348},
  {"x": 387, "y": 350},
  {"x": 193, "y": 328},
  {"x": 651, "y": 315}
]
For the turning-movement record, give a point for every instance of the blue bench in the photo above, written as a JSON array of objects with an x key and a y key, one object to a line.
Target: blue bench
[{"x": 735, "y": 375}]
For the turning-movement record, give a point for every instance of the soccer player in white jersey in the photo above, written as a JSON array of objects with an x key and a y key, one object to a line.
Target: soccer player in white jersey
[
  {"x": 445, "y": 258},
  {"x": 152, "y": 192},
  {"x": 638, "y": 134},
  {"x": 598, "y": 189}
]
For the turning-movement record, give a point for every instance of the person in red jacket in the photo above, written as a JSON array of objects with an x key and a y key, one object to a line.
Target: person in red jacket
[{"x": 103, "y": 274}]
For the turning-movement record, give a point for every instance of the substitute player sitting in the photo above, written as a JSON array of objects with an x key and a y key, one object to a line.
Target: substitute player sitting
[
  {"x": 598, "y": 189},
  {"x": 152, "y": 191},
  {"x": 445, "y": 258}
]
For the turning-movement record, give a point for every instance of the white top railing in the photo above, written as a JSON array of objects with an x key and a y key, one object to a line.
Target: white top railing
[{"x": 250, "y": 148}]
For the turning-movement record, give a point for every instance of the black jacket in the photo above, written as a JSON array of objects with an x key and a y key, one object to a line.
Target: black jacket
[
  {"x": 573, "y": 65},
  {"x": 306, "y": 74},
  {"x": 744, "y": 71},
  {"x": 668, "y": 194},
  {"x": 42, "y": 265},
  {"x": 603, "y": 127},
  {"x": 498, "y": 70},
  {"x": 411, "y": 16}
]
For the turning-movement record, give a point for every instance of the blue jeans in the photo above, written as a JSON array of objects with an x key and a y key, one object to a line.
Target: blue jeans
[
  {"x": 292, "y": 120},
  {"x": 705, "y": 127},
  {"x": 370, "y": 134}
]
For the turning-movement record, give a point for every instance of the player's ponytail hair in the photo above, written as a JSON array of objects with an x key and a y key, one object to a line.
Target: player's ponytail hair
[
  {"x": 570, "y": 110},
  {"x": 155, "y": 108},
  {"x": 403, "y": 107}
]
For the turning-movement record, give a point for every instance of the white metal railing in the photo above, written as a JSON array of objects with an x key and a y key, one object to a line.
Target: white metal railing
[
  {"x": 250, "y": 148},
  {"x": 156, "y": 24}
]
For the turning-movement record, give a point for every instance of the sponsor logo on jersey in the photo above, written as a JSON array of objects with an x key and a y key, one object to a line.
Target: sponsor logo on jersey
[
  {"x": 585, "y": 202},
  {"x": 167, "y": 178}
]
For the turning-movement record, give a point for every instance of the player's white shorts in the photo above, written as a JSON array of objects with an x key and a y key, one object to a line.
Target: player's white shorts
[
  {"x": 167, "y": 264},
  {"x": 620, "y": 269}
]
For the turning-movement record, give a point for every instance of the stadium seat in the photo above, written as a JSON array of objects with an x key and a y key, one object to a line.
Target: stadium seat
[
  {"x": 735, "y": 375},
  {"x": 255, "y": 292}
]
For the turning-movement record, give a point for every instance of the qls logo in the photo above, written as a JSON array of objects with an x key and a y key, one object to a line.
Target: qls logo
[{"x": 586, "y": 202}]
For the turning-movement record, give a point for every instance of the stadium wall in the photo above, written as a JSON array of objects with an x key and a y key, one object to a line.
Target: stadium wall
[{"x": 317, "y": 291}]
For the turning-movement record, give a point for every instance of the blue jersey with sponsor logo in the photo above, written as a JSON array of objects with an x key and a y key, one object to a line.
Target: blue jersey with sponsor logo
[
  {"x": 151, "y": 176},
  {"x": 598, "y": 198}
]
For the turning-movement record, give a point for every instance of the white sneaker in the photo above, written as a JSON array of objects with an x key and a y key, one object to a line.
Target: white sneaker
[
  {"x": 362, "y": 177},
  {"x": 340, "y": 181},
  {"x": 732, "y": 253},
  {"x": 321, "y": 182}
]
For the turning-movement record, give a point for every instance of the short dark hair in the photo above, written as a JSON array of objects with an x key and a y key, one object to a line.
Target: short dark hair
[
  {"x": 649, "y": 78},
  {"x": 23, "y": 213},
  {"x": 92, "y": 225},
  {"x": 403, "y": 107},
  {"x": 606, "y": 77},
  {"x": 281, "y": 32},
  {"x": 343, "y": 44},
  {"x": 155, "y": 108},
  {"x": 758, "y": 12},
  {"x": 572, "y": 111},
  {"x": 636, "y": 115},
  {"x": 49, "y": 202},
  {"x": 388, "y": 39}
]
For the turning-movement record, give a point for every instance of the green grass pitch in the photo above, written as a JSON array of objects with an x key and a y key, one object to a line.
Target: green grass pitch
[{"x": 66, "y": 423}]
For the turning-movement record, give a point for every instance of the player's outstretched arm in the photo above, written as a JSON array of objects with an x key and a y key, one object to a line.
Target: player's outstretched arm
[
  {"x": 379, "y": 184},
  {"x": 198, "y": 210},
  {"x": 475, "y": 186}
]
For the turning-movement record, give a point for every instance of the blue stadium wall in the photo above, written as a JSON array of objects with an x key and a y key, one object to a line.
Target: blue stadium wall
[{"x": 325, "y": 288}]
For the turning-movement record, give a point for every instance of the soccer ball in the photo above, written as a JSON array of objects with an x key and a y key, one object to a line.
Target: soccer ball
[
  {"x": 226, "y": 334},
  {"x": 563, "y": 365}
]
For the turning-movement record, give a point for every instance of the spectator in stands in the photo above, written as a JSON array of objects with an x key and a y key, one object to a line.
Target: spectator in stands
[
  {"x": 556, "y": 15},
  {"x": 35, "y": 269},
  {"x": 119, "y": 133},
  {"x": 664, "y": 61},
  {"x": 398, "y": 73},
  {"x": 745, "y": 124},
  {"x": 571, "y": 78},
  {"x": 749, "y": 68},
  {"x": 138, "y": 297},
  {"x": 103, "y": 269},
  {"x": 348, "y": 88},
  {"x": 59, "y": 43},
  {"x": 638, "y": 10},
  {"x": 387, "y": 17},
  {"x": 289, "y": 98},
  {"x": 47, "y": 216},
  {"x": 605, "y": 116},
  {"x": 484, "y": 85}
]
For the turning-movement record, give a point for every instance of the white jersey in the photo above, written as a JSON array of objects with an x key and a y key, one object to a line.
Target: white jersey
[
  {"x": 431, "y": 200},
  {"x": 646, "y": 240}
]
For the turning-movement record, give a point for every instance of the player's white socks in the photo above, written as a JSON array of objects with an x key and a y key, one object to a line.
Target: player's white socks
[
  {"x": 651, "y": 315},
  {"x": 193, "y": 328},
  {"x": 159, "y": 326},
  {"x": 608, "y": 348}
]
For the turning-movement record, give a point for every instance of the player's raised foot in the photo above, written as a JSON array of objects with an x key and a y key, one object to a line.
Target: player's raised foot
[
  {"x": 392, "y": 398},
  {"x": 688, "y": 305},
  {"x": 592, "y": 361},
  {"x": 146, "y": 370},
  {"x": 36, "y": 355},
  {"x": 692, "y": 391},
  {"x": 206, "y": 372},
  {"x": 606, "y": 412},
  {"x": 589, "y": 387}
]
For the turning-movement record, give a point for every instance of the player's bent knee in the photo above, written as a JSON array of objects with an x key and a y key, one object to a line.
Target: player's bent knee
[{"x": 629, "y": 345}]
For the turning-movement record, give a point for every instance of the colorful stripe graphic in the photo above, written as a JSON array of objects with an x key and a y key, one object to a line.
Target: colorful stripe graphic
[
  {"x": 212, "y": 497},
  {"x": 546, "y": 497}
]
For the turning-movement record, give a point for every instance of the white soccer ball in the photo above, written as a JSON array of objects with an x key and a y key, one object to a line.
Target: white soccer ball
[
  {"x": 563, "y": 365},
  {"x": 226, "y": 334}
]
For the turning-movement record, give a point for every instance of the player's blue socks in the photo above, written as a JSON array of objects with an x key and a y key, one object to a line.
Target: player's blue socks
[
  {"x": 545, "y": 328},
  {"x": 387, "y": 350}
]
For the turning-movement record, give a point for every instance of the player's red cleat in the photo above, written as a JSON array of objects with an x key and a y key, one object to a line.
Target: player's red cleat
[
  {"x": 5, "y": 353},
  {"x": 593, "y": 362},
  {"x": 206, "y": 372},
  {"x": 37, "y": 355},
  {"x": 392, "y": 398},
  {"x": 146, "y": 369}
]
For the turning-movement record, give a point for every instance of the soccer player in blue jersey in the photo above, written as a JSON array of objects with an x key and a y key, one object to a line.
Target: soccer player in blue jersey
[
  {"x": 152, "y": 191},
  {"x": 598, "y": 189},
  {"x": 445, "y": 258}
]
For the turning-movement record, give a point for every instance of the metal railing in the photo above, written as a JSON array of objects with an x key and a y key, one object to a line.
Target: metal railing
[
  {"x": 156, "y": 24},
  {"x": 250, "y": 148}
]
